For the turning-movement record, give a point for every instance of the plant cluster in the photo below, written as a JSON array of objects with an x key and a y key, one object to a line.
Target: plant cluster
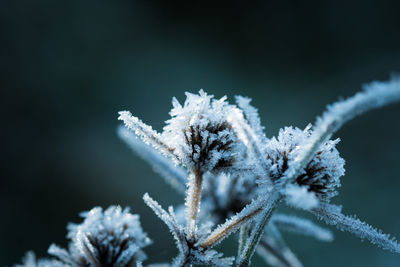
[{"x": 233, "y": 178}]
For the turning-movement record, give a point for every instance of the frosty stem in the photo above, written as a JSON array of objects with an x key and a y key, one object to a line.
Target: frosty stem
[
  {"x": 193, "y": 196},
  {"x": 243, "y": 235},
  {"x": 234, "y": 223},
  {"x": 258, "y": 230}
]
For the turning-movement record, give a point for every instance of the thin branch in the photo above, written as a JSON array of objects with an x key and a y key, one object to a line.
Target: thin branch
[
  {"x": 147, "y": 134},
  {"x": 234, "y": 223},
  {"x": 332, "y": 215},
  {"x": 170, "y": 220},
  {"x": 172, "y": 174}
]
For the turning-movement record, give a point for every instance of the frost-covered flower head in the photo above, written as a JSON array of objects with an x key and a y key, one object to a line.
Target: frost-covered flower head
[
  {"x": 30, "y": 261},
  {"x": 110, "y": 238},
  {"x": 321, "y": 176},
  {"x": 200, "y": 134}
]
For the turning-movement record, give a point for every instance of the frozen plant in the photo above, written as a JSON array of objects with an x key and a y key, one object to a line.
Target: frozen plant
[
  {"x": 30, "y": 261},
  {"x": 233, "y": 179},
  {"x": 113, "y": 237}
]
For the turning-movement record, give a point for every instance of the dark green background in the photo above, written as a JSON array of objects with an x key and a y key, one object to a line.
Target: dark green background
[{"x": 67, "y": 67}]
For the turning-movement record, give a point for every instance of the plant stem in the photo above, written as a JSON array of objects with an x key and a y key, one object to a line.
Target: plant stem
[
  {"x": 243, "y": 235},
  {"x": 258, "y": 230},
  {"x": 193, "y": 196},
  {"x": 231, "y": 225}
]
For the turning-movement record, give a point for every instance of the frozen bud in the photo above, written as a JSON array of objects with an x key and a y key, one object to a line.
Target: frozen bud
[
  {"x": 200, "y": 134},
  {"x": 321, "y": 176},
  {"x": 31, "y": 261},
  {"x": 110, "y": 238}
]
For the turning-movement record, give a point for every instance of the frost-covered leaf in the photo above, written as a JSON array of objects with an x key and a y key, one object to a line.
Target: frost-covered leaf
[
  {"x": 147, "y": 134},
  {"x": 332, "y": 215},
  {"x": 252, "y": 117},
  {"x": 174, "y": 175},
  {"x": 169, "y": 219},
  {"x": 255, "y": 144},
  {"x": 301, "y": 226}
]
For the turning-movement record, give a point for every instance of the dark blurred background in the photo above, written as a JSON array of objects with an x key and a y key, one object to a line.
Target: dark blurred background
[{"x": 67, "y": 67}]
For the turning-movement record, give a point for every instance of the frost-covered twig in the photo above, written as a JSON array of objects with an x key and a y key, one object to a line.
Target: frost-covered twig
[
  {"x": 170, "y": 221},
  {"x": 375, "y": 95},
  {"x": 233, "y": 224},
  {"x": 173, "y": 174},
  {"x": 332, "y": 215},
  {"x": 148, "y": 135},
  {"x": 193, "y": 195}
]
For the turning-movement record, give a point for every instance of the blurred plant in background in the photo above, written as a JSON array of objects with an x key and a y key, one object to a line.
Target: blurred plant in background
[{"x": 233, "y": 178}]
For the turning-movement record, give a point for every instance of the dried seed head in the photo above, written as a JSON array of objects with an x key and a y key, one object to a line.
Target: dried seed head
[
  {"x": 110, "y": 238},
  {"x": 30, "y": 261},
  {"x": 200, "y": 134},
  {"x": 322, "y": 173}
]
